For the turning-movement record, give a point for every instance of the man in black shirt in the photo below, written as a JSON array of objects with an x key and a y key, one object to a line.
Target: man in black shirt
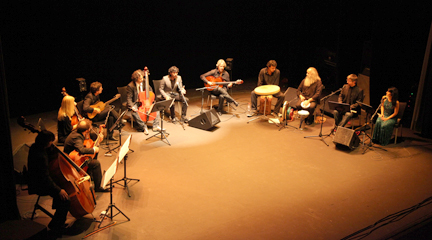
[{"x": 350, "y": 94}]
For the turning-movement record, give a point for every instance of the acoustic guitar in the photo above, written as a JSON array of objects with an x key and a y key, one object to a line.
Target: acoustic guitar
[
  {"x": 101, "y": 105},
  {"x": 219, "y": 82}
]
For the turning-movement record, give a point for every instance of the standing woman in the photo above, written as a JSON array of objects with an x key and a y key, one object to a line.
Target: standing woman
[
  {"x": 64, "y": 117},
  {"x": 387, "y": 118}
]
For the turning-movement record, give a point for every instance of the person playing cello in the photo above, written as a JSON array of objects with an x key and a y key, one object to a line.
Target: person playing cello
[
  {"x": 134, "y": 88},
  {"x": 41, "y": 183}
]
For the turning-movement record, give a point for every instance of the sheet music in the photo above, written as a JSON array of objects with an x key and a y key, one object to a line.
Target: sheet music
[
  {"x": 124, "y": 149},
  {"x": 109, "y": 174}
]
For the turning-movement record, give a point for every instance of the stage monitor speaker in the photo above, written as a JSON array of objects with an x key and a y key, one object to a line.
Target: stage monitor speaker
[
  {"x": 346, "y": 137},
  {"x": 206, "y": 120}
]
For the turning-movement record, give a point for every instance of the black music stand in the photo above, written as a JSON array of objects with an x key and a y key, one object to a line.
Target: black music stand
[
  {"x": 369, "y": 111},
  {"x": 123, "y": 155},
  {"x": 117, "y": 125},
  {"x": 320, "y": 135},
  {"x": 161, "y": 106}
]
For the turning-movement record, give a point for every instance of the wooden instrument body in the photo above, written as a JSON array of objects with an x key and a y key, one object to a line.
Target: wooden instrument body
[
  {"x": 265, "y": 101},
  {"x": 101, "y": 105},
  {"x": 81, "y": 160},
  {"x": 219, "y": 82},
  {"x": 146, "y": 99},
  {"x": 77, "y": 117},
  {"x": 66, "y": 175}
]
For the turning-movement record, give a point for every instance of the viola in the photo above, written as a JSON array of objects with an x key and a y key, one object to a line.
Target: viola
[
  {"x": 146, "y": 99},
  {"x": 70, "y": 177}
]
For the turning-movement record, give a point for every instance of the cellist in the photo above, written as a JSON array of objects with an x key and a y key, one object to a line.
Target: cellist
[
  {"x": 133, "y": 89},
  {"x": 41, "y": 183},
  {"x": 75, "y": 141}
]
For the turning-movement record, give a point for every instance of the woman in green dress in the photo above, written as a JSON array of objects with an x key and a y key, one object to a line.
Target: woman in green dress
[{"x": 387, "y": 118}]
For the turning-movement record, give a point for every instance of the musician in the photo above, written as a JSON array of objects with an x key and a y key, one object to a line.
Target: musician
[
  {"x": 132, "y": 91},
  {"x": 269, "y": 75},
  {"x": 309, "y": 92},
  {"x": 350, "y": 94},
  {"x": 64, "y": 116},
  {"x": 169, "y": 88},
  {"x": 220, "y": 92},
  {"x": 93, "y": 97},
  {"x": 75, "y": 141},
  {"x": 41, "y": 183},
  {"x": 386, "y": 120}
]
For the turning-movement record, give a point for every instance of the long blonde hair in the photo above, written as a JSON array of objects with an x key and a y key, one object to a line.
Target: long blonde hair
[{"x": 67, "y": 107}]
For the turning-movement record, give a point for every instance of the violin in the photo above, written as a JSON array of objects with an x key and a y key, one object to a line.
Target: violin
[
  {"x": 146, "y": 99},
  {"x": 70, "y": 177}
]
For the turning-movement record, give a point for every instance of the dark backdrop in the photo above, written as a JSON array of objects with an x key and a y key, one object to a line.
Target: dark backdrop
[{"x": 48, "y": 45}]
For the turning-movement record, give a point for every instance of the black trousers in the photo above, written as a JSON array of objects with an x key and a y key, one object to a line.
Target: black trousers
[
  {"x": 223, "y": 94},
  {"x": 113, "y": 116}
]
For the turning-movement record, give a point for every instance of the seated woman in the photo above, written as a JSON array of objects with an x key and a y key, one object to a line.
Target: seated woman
[
  {"x": 64, "y": 118},
  {"x": 387, "y": 118}
]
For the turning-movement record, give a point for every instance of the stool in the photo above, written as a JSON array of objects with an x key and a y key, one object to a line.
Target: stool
[{"x": 37, "y": 206}]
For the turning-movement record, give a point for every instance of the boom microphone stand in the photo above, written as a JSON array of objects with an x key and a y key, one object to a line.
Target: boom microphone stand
[{"x": 320, "y": 135}]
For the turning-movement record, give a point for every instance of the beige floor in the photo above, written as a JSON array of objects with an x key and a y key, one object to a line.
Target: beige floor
[{"x": 251, "y": 181}]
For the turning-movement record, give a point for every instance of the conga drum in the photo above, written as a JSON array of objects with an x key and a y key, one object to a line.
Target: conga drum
[
  {"x": 303, "y": 114},
  {"x": 266, "y": 92}
]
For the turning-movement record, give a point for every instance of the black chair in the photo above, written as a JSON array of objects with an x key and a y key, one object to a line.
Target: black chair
[
  {"x": 402, "y": 106},
  {"x": 37, "y": 206},
  {"x": 123, "y": 101}
]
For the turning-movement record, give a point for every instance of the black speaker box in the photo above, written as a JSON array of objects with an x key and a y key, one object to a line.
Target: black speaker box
[
  {"x": 346, "y": 137},
  {"x": 206, "y": 120}
]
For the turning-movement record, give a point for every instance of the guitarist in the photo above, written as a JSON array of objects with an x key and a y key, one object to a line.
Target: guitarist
[
  {"x": 269, "y": 75},
  {"x": 75, "y": 141},
  {"x": 220, "y": 92},
  {"x": 93, "y": 97}
]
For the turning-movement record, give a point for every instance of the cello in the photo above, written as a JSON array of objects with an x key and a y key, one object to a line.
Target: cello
[
  {"x": 70, "y": 177},
  {"x": 146, "y": 99}
]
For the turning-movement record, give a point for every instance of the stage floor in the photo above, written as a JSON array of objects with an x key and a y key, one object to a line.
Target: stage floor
[{"x": 253, "y": 181}]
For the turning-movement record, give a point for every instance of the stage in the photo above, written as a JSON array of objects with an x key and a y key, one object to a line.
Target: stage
[{"x": 253, "y": 181}]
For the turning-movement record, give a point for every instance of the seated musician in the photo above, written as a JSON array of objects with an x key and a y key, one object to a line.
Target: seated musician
[
  {"x": 269, "y": 75},
  {"x": 132, "y": 91},
  {"x": 308, "y": 93},
  {"x": 169, "y": 88},
  {"x": 350, "y": 94},
  {"x": 93, "y": 97},
  {"x": 41, "y": 183},
  {"x": 220, "y": 92},
  {"x": 75, "y": 141}
]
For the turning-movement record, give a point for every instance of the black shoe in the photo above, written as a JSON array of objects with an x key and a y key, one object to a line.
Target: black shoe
[
  {"x": 102, "y": 190},
  {"x": 236, "y": 103},
  {"x": 113, "y": 138}
]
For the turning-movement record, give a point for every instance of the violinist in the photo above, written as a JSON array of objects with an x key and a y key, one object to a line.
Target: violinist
[
  {"x": 75, "y": 141},
  {"x": 93, "y": 97},
  {"x": 133, "y": 89},
  {"x": 172, "y": 87},
  {"x": 220, "y": 92},
  {"x": 41, "y": 183}
]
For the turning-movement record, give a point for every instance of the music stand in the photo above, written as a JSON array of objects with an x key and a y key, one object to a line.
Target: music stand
[
  {"x": 320, "y": 135},
  {"x": 122, "y": 154},
  {"x": 118, "y": 125},
  {"x": 369, "y": 111},
  {"x": 161, "y": 106}
]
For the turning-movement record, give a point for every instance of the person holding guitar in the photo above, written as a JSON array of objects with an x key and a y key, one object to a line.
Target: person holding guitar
[
  {"x": 269, "y": 75},
  {"x": 221, "y": 91},
  {"x": 97, "y": 113},
  {"x": 172, "y": 87},
  {"x": 41, "y": 183},
  {"x": 75, "y": 141},
  {"x": 134, "y": 88}
]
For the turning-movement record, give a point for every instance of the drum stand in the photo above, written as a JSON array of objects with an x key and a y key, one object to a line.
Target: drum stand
[{"x": 263, "y": 116}]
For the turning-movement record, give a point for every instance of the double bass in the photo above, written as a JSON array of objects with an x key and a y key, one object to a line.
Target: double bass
[
  {"x": 146, "y": 99},
  {"x": 70, "y": 177}
]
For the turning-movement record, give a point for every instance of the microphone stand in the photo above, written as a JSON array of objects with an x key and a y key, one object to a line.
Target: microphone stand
[
  {"x": 371, "y": 144},
  {"x": 322, "y": 117},
  {"x": 202, "y": 98}
]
